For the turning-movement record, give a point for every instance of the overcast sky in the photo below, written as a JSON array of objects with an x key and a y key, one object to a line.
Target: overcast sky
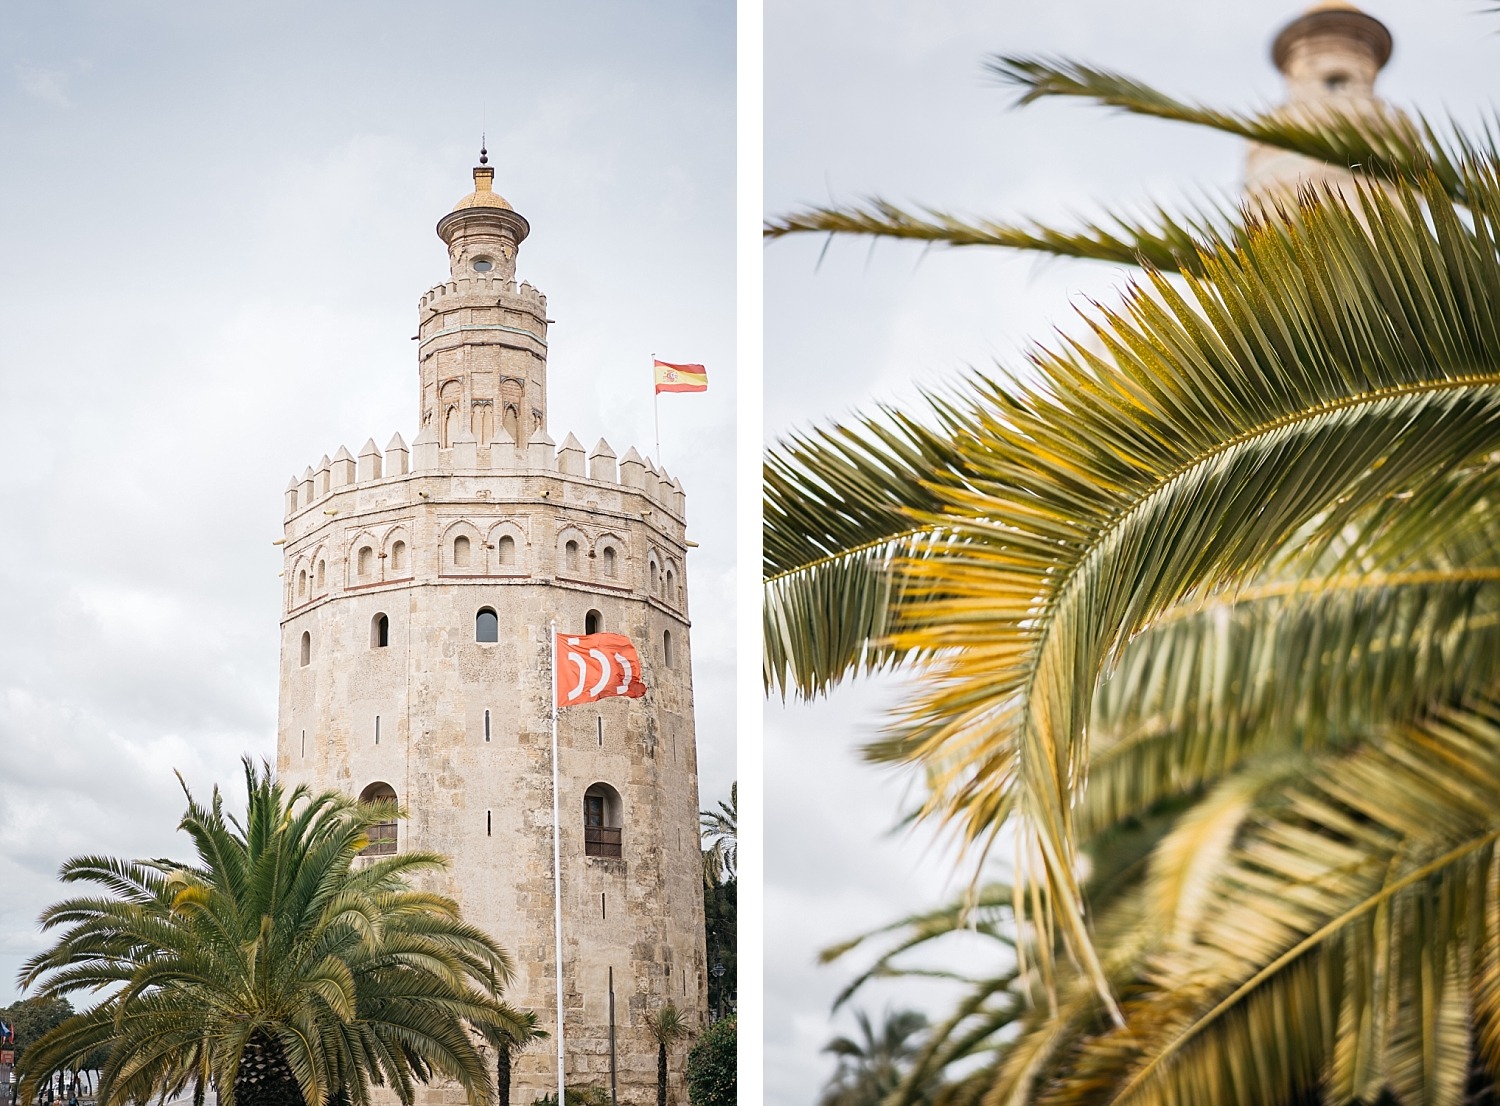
[
  {"x": 889, "y": 97},
  {"x": 215, "y": 223}
]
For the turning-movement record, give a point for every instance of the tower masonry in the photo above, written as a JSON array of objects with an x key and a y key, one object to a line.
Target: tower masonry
[{"x": 421, "y": 583}]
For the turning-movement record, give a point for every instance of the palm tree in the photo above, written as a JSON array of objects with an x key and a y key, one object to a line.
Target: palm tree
[
  {"x": 1229, "y": 587},
  {"x": 873, "y": 1066},
  {"x": 278, "y": 968},
  {"x": 719, "y": 829},
  {"x": 667, "y": 1026},
  {"x": 506, "y": 1047}
]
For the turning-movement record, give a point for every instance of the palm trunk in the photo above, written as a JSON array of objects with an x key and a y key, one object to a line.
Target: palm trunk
[
  {"x": 265, "y": 1078},
  {"x": 661, "y": 1074},
  {"x": 502, "y": 1076}
]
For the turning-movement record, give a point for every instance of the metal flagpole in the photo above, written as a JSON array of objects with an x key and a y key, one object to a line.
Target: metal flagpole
[
  {"x": 557, "y": 877},
  {"x": 656, "y": 408}
]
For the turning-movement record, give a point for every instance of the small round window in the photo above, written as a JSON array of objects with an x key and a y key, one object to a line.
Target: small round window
[{"x": 483, "y": 265}]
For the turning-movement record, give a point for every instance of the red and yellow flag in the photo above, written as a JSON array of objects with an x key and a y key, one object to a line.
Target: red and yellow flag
[
  {"x": 680, "y": 378},
  {"x": 596, "y": 666}
]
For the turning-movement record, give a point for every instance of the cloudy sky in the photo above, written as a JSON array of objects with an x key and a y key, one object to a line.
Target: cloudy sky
[
  {"x": 215, "y": 223},
  {"x": 888, "y": 97}
]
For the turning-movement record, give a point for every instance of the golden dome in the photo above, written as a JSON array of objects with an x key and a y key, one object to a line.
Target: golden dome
[{"x": 483, "y": 195}]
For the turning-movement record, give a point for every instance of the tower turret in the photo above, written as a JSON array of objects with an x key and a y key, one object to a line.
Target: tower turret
[
  {"x": 1329, "y": 56},
  {"x": 483, "y": 352}
]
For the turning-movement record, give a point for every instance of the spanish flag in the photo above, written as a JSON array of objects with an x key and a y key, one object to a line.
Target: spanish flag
[{"x": 680, "y": 378}]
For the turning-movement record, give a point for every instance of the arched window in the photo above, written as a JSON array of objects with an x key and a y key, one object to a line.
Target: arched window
[
  {"x": 398, "y": 557},
  {"x": 486, "y": 625},
  {"x": 306, "y": 648},
  {"x": 322, "y": 573},
  {"x": 655, "y": 580},
  {"x": 380, "y": 632},
  {"x": 601, "y": 822},
  {"x": 461, "y": 552},
  {"x": 302, "y": 584},
  {"x": 609, "y": 561},
  {"x": 666, "y": 647},
  {"x": 570, "y": 556},
  {"x": 505, "y": 550},
  {"x": 593, "y": 622},
  {"x": 671, "y": 589},
  {"x": 382, "y": 835},
  {"x": 366, "y": 561}
]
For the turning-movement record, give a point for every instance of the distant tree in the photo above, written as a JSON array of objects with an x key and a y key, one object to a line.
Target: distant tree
[
  {"x": 711, "y": 1066},
  {"x": 666, "y": 1026},
  {"x": 719, "y": 917},
  {"x": 720, "y": 831},
  {"x": 873, "y": 1066},
  {"x": 32, "y": 1017}
]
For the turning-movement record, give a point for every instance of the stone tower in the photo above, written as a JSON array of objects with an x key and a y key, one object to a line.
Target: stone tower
[
  {"x": 420, "y": 585},
  {"x": 1330, "y": 56}
]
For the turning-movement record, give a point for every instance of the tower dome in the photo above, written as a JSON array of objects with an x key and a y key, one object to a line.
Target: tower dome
[
  {"x": 1338, "y": 21},
  {"x": 483, "y": 232}
]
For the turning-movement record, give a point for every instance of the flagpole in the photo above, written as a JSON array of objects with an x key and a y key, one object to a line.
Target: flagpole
[
  {"x": 656, "y": 408},
  {"x": 557, "y": 875}
]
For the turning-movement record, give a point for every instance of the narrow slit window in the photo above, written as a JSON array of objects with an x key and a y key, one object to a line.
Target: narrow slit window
[
  {"x": 377, "y": 729},
  {"x": 486, "y": 725},
  {"x": 304, "y": 743},
  {"x": 603, "y": 905},
  {"x": 666, "y": 647},
  {"x": 489, "y": 823}
]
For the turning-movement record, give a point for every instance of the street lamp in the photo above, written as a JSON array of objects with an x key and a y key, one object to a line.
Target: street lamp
[{"x": 717, "y": 971}]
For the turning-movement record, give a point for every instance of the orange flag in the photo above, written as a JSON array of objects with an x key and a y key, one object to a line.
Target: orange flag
[{"x": 596, "y": 666}]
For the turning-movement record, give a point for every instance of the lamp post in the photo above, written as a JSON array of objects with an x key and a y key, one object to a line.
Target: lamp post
[{"x": 717, "y": 971}]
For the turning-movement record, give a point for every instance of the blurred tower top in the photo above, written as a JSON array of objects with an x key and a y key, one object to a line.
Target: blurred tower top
[
  {"x": 1329, "y": 56},
  {"x": 1331, "y": 49}
]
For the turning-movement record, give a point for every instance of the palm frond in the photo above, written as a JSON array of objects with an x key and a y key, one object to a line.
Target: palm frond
[
  {"x": 1363, "y": 889},
  {"x": 1375, "y": 140},
  {"x": 1162, "y": 240},
  {"x": 840, "y": 505},
  {"x": 1339, "y": 358}
]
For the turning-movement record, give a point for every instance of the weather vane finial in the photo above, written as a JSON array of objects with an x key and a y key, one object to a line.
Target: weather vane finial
[{"x": 484, "y": 155}]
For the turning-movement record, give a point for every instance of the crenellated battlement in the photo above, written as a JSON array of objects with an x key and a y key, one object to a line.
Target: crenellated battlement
[
  {"x": 343, "y": 471},
  {"x": 525, "y": 295}
]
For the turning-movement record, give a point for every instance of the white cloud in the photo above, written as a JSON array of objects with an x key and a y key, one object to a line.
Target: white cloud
[{"x": 50, "y": 85}]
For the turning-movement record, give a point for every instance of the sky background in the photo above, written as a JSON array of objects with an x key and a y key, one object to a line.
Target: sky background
[
  {"x": 215, "y": 224},
  {"x": 867, "y": 97}
]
